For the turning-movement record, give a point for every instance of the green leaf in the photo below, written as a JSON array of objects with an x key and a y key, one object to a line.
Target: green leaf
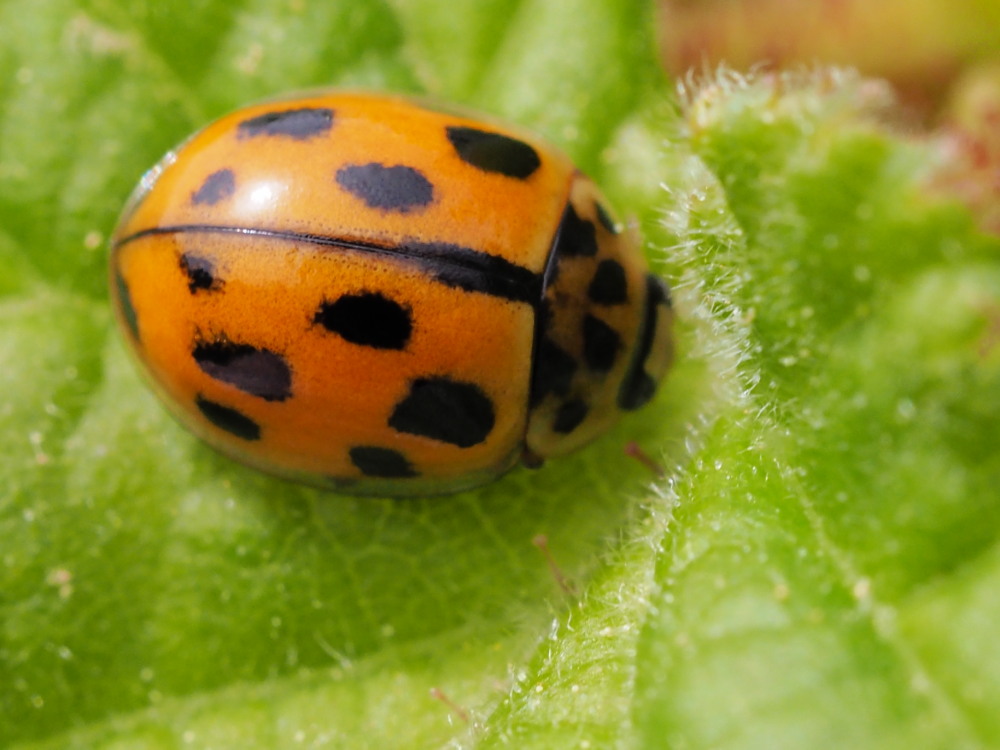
[
  {"x": 855, "y": 464},
  {"x": 815, "y": 571}
]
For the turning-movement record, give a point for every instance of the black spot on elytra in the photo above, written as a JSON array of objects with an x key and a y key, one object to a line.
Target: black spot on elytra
[
  {"x": 601, "y": 343},
  {"x": 259, "y": 372},
  {"x": 659, "y": 292},
  {"x": 638, "y": 386},
  {"x": 231, "y": 420},
  {"x": 367, "y": 319},
  {"x": 554, "y": 370},
  {"x": 493, "y": 152},
  {"x": 607, "y": 221},
  {"x": 125, "y": 305},
  {"x": 608, "y": 287},
  {"x": 200, "y": 272},
  {"x": 447, "y": 410},
  {"x": 216, "y": 187},
  {"x": 569, "y": 416},
  {"x": 398, "y": 188},
  {"x": 300, "y": 124},
  {"x": 576, "y": 237},
  {"x": 476, "y": 271},
  {"x": 636, "y": 390},
  {"x": 374, "y": 461}
]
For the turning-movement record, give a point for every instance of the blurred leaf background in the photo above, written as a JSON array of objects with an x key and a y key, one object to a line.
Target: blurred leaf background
[{"x": 817, "y": 568}]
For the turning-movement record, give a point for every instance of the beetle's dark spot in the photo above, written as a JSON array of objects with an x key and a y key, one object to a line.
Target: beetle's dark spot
[
  {"x": 638, "y": 386},
  {"x": 476, "y": 271},
  {"x": 569, "y": 416},
  {"x": 637, "y": 389},
  {"x": 397, "y": 188},
  {"x": 374, "y": 461},
  {"x": 231, "y": 420},
  {"x": 125, "y": 305},
  {"x": 217, "y": 187},
  {"x": 300, "y": 124},
  {"x": 601, "y": 343},
  {"x": 259, "y": 372},
  {"x": 576, "y": 237},
  {"x": 554, "y": 370},
  {"x": 608, "y": 287},
  {"x": 607, "y": 221},
  {"x": 493, "y": 152},
  {"x": 447, "y": 410},
  {"x": 659, "y": 291},
  {"x": 200, "y": 272},
  {"x": 367, "y": 319}
]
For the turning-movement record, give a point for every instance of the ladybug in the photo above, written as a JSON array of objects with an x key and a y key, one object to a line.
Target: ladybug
[{"x": 361, "y": 292}]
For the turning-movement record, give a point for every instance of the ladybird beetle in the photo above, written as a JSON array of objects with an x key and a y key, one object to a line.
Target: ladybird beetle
[{"x": 356, "y": 291}]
